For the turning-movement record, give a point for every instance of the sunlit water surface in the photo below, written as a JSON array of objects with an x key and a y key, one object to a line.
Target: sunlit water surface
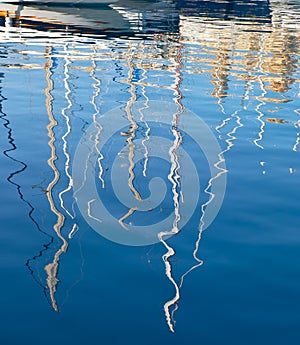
[{"x": 234, "y": 65}]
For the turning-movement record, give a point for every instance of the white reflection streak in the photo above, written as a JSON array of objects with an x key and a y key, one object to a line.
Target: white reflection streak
[
  {"x": 8, "y": 25},
  {"x": 131, "y": 135},
  {"x": 90, "y": 213},
  {"x": 96, "y": 140},
  {"x": 203, "y": 210},
  {"x": 257, "y": 108},
  {"x": 52, "y": 268},
  {"x": 134, "y": 126},
  {"x": 174, "y": 178},
  {"x": 147, "y": 133},
  {"x": 248, "y": 88},
  {"x": 295, "y": 147},
  {"x": 219, "y": 80},
  {"x": 260, "y": 119},
  {"x": 230, "y": 138},
  {"x": 231, "y": 135},
  {"x": 73, "y": 231},
  {"x": 297, "y": 126},
  {"x": 223, "y": 124},
  {"x": 96, "y": 93},
  {"x": 68, "y": 131},
  {"x": 83, "y": 183}
]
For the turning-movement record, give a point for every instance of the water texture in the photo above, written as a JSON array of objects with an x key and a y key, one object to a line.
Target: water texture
[{"x": 149, "y": 172}]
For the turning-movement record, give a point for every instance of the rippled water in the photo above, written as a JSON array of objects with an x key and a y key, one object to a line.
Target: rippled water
[{"x": 137, "y": 85}]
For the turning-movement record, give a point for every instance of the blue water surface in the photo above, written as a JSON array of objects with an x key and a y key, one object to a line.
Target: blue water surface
[{"x": 235, "y": 65}]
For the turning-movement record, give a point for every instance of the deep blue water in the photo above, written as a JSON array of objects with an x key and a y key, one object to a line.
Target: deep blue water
[{"x": 116, "y": 88}]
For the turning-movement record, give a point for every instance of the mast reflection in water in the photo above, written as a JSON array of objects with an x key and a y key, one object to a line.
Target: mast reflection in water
[{"x": 234, "y": 63}]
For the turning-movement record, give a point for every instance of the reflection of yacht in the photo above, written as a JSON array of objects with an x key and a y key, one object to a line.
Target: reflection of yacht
[
  {"x": 110, "y": 19},
  {"x": 62, "y": 18},
  {"x": 127, "y": 17}
]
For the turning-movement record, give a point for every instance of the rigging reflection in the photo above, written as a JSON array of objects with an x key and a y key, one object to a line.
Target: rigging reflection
[
  {"x": 225, "y": 40},
  {"x": 174, "y": 178},
  {"x": 67, "y": 133},
  {"x": 23, "y": 166},
  {"x": 52, "y": 267}
]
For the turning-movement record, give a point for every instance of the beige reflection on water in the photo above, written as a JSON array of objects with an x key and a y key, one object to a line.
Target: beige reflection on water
[{"x": 52, "y": 268}]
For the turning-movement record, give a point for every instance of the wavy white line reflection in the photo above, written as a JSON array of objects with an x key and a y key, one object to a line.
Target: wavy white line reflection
[
  {"x": 142, "y": 118},
  {"x": 261, "y": 115},
  {"x": 297, "y": 126},
  {"x": 202, "y": 223},
  {"x": 73, "y": 231},
  {"x": 68, "y": 131},
  {"x": 52, "y": 268},
  {"x": 203, "y": 209},
  {"x": 174, "y": 178},
  {"x": 93, "y": 138},
  {"x": 96, "y": 93},
  {"x": 89, "y": 212},
  {"x": 218, "y": 165},
  {"x": 133, "y": 127}
]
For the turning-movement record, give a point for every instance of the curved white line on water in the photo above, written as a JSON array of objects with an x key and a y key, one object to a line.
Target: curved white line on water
[
  {"x": 174, "y": 178},
  {"x": 89, "y": 211},
  {"x": 96, "y": 93},
  {"x": 52, "y": 268},
  {"x": 68, "y": 131},
  {"x": 260, "y": 98},
  {"x": 134, "y": 126},
  {"x": 73, "y": 231},
  {"x": 297, "y": 126},
  {"x": 148, "y": 129},
  {"x": 203, "y": 208}
]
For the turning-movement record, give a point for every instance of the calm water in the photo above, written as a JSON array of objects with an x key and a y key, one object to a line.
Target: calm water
[{"x": 160, "y": 66}]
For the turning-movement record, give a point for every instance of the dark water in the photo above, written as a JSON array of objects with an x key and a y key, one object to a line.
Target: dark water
[{"x": 161, "y": 67}]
